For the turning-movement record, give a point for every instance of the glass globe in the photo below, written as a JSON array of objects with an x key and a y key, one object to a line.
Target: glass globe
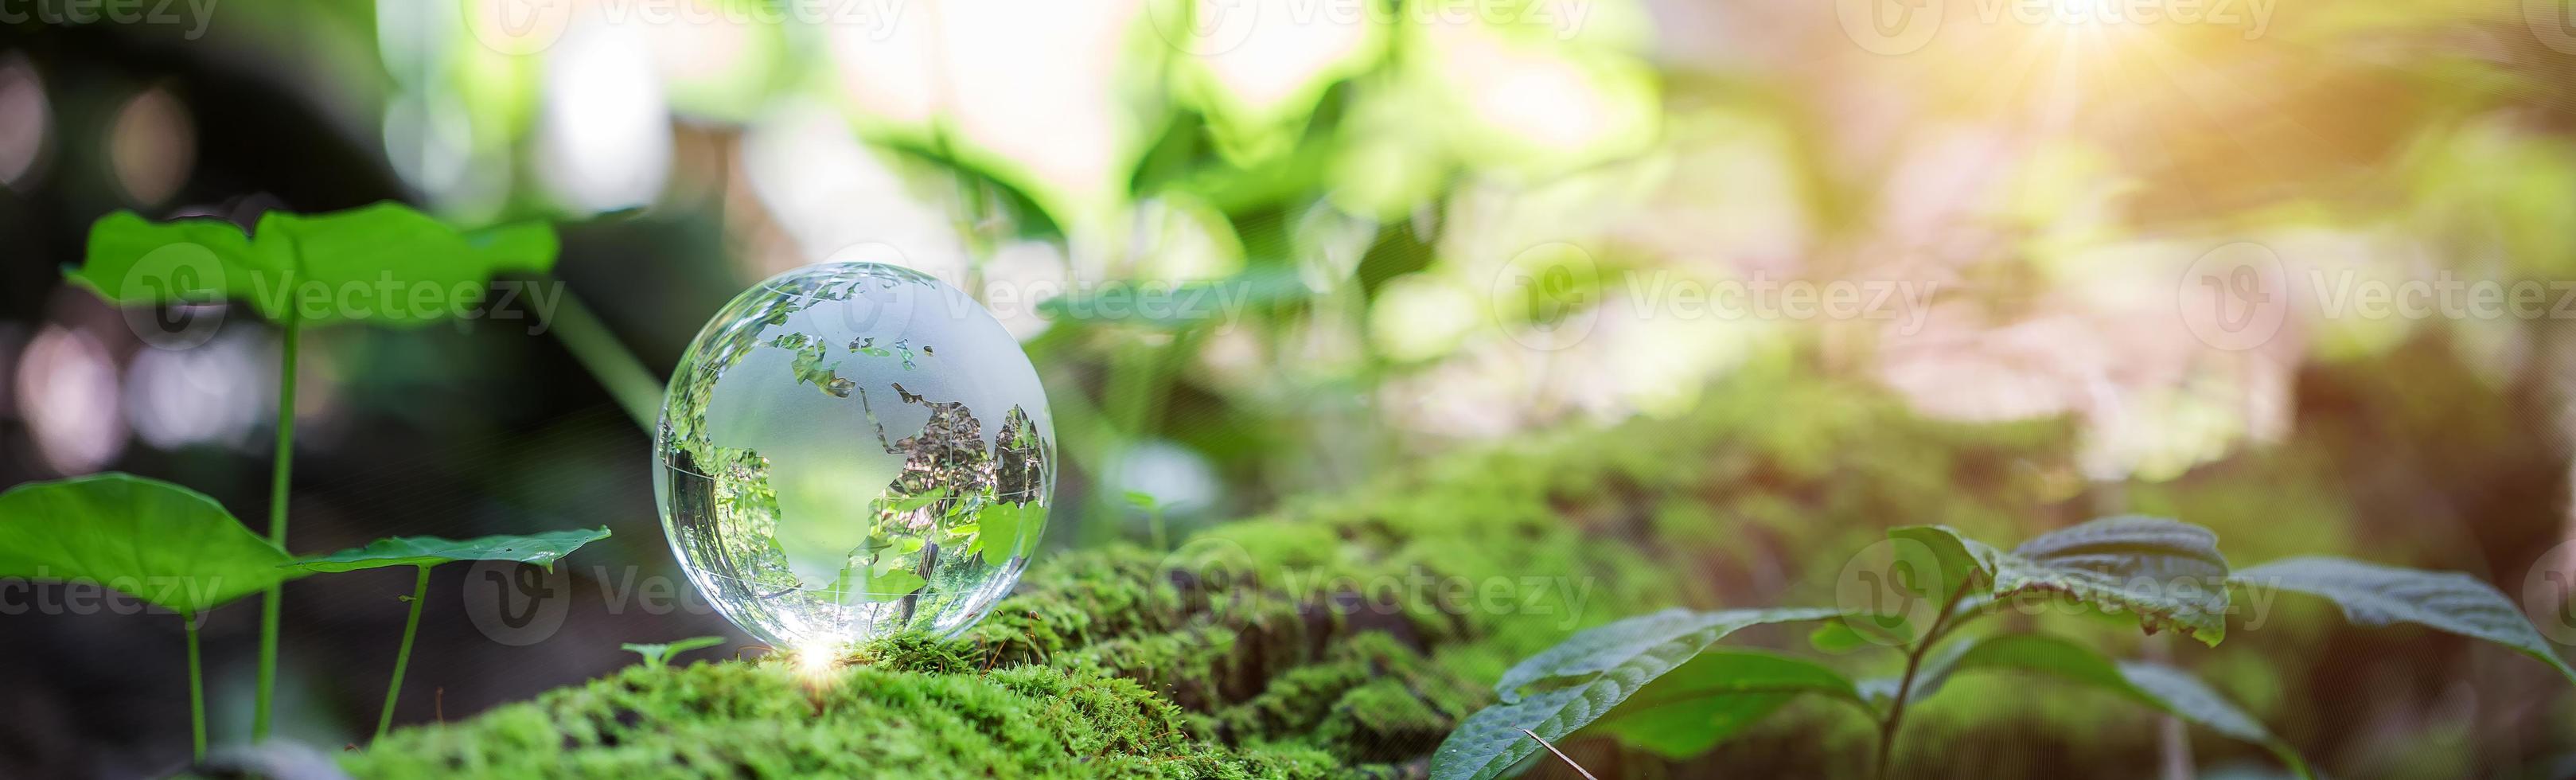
[{"x": 849, "y": 450}]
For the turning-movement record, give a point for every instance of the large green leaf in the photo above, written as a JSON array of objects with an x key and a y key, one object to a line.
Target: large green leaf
[
  {"x": 1715, "y": 695},
  {"x": 541, "y": 549},
  {"x": 1585, "y": 678},
  {"x": 2375, "y": 595},
  {"x": 2169, "y": 573},
  {"x": 2160, "y": 687},
  {"x": 162, "y": 543},
  {"x": 382, "y": 263}
]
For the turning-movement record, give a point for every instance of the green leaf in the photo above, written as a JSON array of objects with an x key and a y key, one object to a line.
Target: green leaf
[
  {"x": 655, "y": 653},
  {"x": 162, "y": 543},
  {"x": 2169, "y": 573},
  {"x": 2374, "y": 595},
  {"x": 2160, "y": 687},
  {"x": 885, "y": 580},
  {"x": 1589, "y": 675},
  {"x": 1006, "y": 529},
  {"x": 1715, "y": 695},
  {"x": 382, "y": 263},
  {"x": 1836, "y": 638},
  {"x": 541, "y": 549},
  {"x": 135, "y": 261}
]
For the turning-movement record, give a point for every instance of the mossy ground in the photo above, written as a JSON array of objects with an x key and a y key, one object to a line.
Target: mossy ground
[{"x": 1339, "y": 635}]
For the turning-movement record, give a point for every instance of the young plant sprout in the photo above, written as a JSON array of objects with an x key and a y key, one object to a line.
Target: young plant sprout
[
  {"x": 135, "y": 261},
  {"x": 423, "y": 552},
  {"x": 169, "y": 546},
  {"x": 657, "y": 652},
  {"x": 1653, "y": 681}
]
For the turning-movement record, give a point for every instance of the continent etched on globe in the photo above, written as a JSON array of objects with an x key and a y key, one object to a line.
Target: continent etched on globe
[{"x": 849, "y": 450}]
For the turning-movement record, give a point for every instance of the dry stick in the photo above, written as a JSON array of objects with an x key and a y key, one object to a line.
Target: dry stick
[{"x": 1560, "y": 755}]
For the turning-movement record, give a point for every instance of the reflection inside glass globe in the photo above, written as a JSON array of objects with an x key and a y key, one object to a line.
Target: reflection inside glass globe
[{"x": 849, "y": 450}]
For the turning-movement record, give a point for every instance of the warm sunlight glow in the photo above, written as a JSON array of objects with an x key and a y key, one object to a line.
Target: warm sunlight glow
[{"x": 816, "y": 659}]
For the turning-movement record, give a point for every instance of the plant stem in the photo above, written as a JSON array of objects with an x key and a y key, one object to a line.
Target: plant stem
[
  {"x": 196, "y": 690},
  {"x": 274, "y": 600},
  {"x": 1560, "y": 755},
  {"x": 402, "y": 658},
  {"x": 595, "y": 347},
  {"x": 1905, "y": 685}
]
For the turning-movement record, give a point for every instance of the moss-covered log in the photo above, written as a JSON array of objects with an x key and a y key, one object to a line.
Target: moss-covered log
[{"x": 1338, "y": 635}]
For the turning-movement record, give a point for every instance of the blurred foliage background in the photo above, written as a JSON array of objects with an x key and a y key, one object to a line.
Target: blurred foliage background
[{"x": 1439, "y": 224}]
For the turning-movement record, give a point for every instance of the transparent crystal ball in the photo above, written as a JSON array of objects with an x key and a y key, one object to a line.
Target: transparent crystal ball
[{"x": 849, "y": 450}]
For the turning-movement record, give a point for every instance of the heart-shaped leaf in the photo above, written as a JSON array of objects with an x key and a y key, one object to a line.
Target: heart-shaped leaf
[
  {"x": 1583, "y": 679},
  {"x": 1005, "y": 529},
  {"x": 162, "y": 543},
  {"x": 541, "y": 549},
  {"x": 2161, "y": 687},
  {"x": 2374, "y": 595},
  {"x": 656, "y": 653},
  {"x": 2169, "y": 573},
  {"x": 1715, "y": 695},
  {"x": 382, "y": 263}
]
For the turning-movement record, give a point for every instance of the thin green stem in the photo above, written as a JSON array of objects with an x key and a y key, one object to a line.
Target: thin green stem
[
  {"x": 1154, "y": 526},
  {"x": 1905, "y": 685},
  {"x": 196, "y": 690},
  {"x": 402, "y": 658},
  {"x": 596, "y": 348},
  {"x": 274, "y": 600}
]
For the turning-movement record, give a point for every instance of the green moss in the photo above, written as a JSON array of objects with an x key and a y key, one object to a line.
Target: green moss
[
  {"x": 766, "y": 719},
  {"x": 1340, "y": 634}
]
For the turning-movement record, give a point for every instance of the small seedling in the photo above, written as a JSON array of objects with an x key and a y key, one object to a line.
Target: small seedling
[
  {"x": 1144, "y": 502},
  {"x": 278, "y": 268},
  {"x": 654, "y": 653},
  {"x": 170, "y": 546},
  {"x": 1655, "y": 683},
  {"x": 423, "y": 552}
]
